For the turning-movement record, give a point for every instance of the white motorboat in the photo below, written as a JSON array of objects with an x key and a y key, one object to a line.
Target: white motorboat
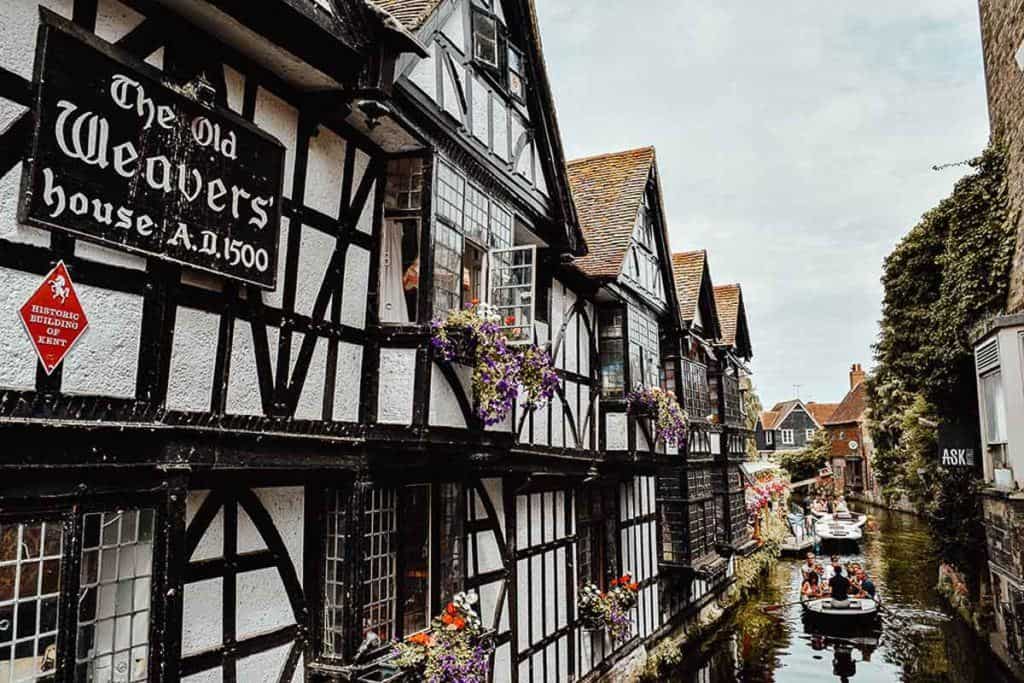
[
  {"x": 857, "y": 610},
  {"x": 834, "y": 530}
]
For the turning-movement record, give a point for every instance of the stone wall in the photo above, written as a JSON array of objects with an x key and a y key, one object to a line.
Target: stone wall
[{"x": 1002, "y": 32}]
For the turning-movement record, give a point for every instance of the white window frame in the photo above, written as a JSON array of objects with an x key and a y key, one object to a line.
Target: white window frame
[
  {"x": 809, "y": 434},
  {"x": 525, "y": 332},
  {"x": 769, "y": 437},
  {"x": 787, "y": 437}
]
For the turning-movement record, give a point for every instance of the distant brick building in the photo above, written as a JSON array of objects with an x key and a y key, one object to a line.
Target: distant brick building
[{"x": 849, "y": 439}]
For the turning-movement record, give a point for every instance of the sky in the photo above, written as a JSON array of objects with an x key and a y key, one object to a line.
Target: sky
[{"x": 795, "y": 142}]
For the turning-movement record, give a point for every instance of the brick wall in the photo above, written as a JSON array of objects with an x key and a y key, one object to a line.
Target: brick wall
[{"x": 1002, "y": 32}]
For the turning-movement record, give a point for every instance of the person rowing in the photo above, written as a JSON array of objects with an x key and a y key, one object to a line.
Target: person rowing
[
  {"x": 811, "y": 588},
  {"x": 839, "y": 586}
]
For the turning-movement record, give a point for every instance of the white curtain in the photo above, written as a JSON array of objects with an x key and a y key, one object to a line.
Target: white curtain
[{"x": 392, "y": 298}]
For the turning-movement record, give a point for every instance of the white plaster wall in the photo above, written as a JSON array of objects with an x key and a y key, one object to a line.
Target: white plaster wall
[
  {"x": 424, "y": 73},
  {"x": 455, "y": 29},
  {"x": 452, "y": 102},
  {"x": 324, "y": 172},
  {"x": 265, "y": 667},
  {"x": 444, "y": 408},
  {"x": 18, "y": 366},
  {"x": 286, "y": 505},
  {"x": 501, "y": 133},
  {"x": 615, "y": 436},
  {"x": 311, "y": 399},
  {"x": 262, "y": 603},
  {"x": 211, "y": 545},
  {"x": 365, "y": 222},
  {"x": 348, "y": 382},
  {"x": 397, "y": 374},
  {"x": 281, "y": 120},
  {"x": 94, "y": 252},
  {"x": 202, "y": 616},
  {"x": 105, "y": 359},
  {"x": 235, "y": 89},
  {"x": 243, "y": 396},
  {"x": 481, "y": 119},
  {"x": 113, "y": 20},
  {"x": 315, "y": 251},
  {"x": 193, "y": 355},
  {"x": 357, "y": 283}
]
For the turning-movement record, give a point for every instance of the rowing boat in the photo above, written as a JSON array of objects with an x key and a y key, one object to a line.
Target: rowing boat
[{"x": 857, "y": 610}]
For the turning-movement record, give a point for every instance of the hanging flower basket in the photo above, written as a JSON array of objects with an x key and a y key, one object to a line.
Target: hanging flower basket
[
  {"x": 670, "y": 420},
  {"x": 501, "y": 371},
  {"x": 609, "y": 611},
  {"x": 454, "y": 648}
]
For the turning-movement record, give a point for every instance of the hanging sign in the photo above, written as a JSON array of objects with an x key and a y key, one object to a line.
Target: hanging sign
[
  {"x": 54, "y": 318},
  {"x": 125, "y": 157},
  {"x": 957, "y": 446}
]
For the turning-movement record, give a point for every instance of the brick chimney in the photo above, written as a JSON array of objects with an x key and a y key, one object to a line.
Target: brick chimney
[{"x": 856, "y": 375}]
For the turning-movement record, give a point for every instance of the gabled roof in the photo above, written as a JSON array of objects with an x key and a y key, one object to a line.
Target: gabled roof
[
  {"x": 784, "y": 408},
  {"x": 770, "y": 419},
  {"x": 732, "y": 317},
  {"x": 608, "y": 190},
  {"x": 852, "y": 407},
  {"x": 821, "y": 412},
  {"x": 693, "y": 287}
]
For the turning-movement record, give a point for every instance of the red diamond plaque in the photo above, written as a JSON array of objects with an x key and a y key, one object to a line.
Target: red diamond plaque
[{"x": 54, "y": 318}]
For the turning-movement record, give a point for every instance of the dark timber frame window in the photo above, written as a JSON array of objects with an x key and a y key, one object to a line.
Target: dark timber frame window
[
  {"x": 485, "y": 38},
  {"x": 612, "y": 334},
  {"x": 696, "y": 396},
  {"x": 404, "y": 543},
  {"x": 400, "y": 243},
  {"x": 597, "y": 533},
  {"x": 76, "y": 594}
]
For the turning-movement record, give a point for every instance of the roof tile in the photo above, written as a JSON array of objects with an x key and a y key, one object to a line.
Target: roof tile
[
  {"x": 688, "y": 268},
  {"x": 608, "y": 190},
  {"x": 727, "y": 301},
  {"x": 852, "y": 407},
  {"x": 770, "y": 419},
  {"x": 411, "y": 13},
  {"x": 821, "y": 411}
]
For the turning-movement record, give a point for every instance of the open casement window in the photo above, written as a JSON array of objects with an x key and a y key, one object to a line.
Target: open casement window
[
  {"x": 513, "y": 280},
  {"x": 109, "y": 631},
  {"x": 485, "y": 37},
  {"x": 400, "y": 241},
  {"x": 475, "y": 258}
]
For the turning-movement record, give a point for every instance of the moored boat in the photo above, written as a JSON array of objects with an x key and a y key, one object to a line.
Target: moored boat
[{"x": 834, "y": 530}]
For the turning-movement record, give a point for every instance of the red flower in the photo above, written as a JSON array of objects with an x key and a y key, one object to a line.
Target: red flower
[
  {"x": 474, "y": 301},
  {"x": 447, "y": 618},
  {"x": 509, "y": 319},
  {"x": 421, "y": 638},
  {"x": 615, "y": 582},
  {"x": 451, "y": 609},
  {"x": 460, "y": 623},
  {"x": 634, "y": 587}
]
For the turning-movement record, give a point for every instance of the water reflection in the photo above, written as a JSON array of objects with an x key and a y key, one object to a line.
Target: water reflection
[{"x": 915, "y": 641}]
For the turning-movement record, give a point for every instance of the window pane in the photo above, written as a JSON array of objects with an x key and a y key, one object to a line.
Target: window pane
[
  {"x": 380, "y": 520},
  {"x": 335, "y": 587},
  {"x": 485, "y": 38},
  {"x": 501, "y": 227},
  {"x": 451, "y": 191},
  {"x": 113, "y": 615},
  {"x": 512, "y": 289},
  {"x": 447, "y": 269},
  {"x": 995, "y": 407},
  {"x": 415, "y": 552},
  {"x": 29, "y": 593},
  {"x": 476, "y": 215}
]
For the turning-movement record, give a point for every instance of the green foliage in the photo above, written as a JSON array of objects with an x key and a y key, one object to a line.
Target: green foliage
[
  {"x": 950, "y": 272},
  {"x": 805, "y": 463}
]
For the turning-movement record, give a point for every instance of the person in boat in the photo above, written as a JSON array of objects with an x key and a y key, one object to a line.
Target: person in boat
[
  {"x": 809, "y": 566},
  {"x": 811, "y": 587},
  {"x": 830, "y": 570},
  {"x": 839, "y": 586},
  {"x": 841, "y": 505},
  {"x": 865, "y": 585}
]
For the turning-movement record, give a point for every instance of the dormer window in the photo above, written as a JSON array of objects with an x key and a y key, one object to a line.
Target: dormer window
[{"x": 485, "y": 38}]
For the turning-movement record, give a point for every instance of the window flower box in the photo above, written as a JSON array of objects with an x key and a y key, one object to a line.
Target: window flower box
[
  {"x": 609, "y": 610},
  {"x": 661, "y": 407},
  {"x": 456, "y": 647},
  {"x": 502, "y": 371}
]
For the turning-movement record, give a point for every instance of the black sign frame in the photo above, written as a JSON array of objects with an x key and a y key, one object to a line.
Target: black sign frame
[
  {"x": 206, "y": 187},
  {"x": 957, "y": 446}
]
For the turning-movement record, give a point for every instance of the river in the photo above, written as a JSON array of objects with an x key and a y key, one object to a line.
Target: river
[{"x": 917, "y": 640}]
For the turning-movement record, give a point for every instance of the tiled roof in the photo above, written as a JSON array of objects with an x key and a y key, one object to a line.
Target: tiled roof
[
  {"x": 608, "y": 190},
  {"x": 770, "y": 419},
  {"x": 852, "y": 407},
  {"x": 822, "y": 411},
  {"x": 727, "y": 301},
  {"x": 688, "y": 268},
  {"x": 411, "y": 13},
  {"x": 783, "y": 406}
]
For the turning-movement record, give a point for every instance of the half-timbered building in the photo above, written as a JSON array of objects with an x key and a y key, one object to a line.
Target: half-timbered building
[{"x": 251, "y": 464}]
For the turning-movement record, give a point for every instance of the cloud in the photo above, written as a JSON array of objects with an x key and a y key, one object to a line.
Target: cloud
[{"x": 795, "y": 141}]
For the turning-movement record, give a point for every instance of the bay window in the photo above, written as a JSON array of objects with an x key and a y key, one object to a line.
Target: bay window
[
  {"x": 475, "y": 258},
  {"x": 636, "y": 343},
  {"x": 644, "y": 353}
]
